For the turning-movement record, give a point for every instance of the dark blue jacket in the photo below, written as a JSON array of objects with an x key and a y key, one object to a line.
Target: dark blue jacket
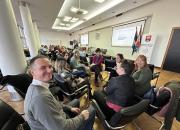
[{"x": 120, "y": 90}]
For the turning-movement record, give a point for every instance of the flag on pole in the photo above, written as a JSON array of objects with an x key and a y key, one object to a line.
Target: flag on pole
[
  {"x": 134, "y": 48},
  {"x": 138, "y": 42}
]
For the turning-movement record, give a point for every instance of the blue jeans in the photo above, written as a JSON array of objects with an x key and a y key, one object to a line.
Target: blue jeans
[{"x": 79, "y": 73}]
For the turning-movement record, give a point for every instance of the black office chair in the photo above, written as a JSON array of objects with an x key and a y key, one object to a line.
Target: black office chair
[
  {"x": 107, "y": 57},
  {"x": 109, "y": 64},
  {"x": 20, "y": 82},
  {"x": 154, "y": 75},
  {"x": 120, "y": 119},
  {"x": 10, "y": 119},
  {"x": 157, "y": 103},
  {"x": 71, "y": 93}
]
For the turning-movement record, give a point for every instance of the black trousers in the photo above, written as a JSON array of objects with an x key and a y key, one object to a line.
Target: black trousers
[
  {"x": 97, "y": 69},
  {"x": 100, "y": 97},
  {"x": 73, "y": 103}
]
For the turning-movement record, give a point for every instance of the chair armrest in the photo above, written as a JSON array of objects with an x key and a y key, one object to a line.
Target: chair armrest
[
  {"x": 71, "y": 94},
  {"x": 98, "y": 109},
  {"x": 153, "y": 106},
  {"x": 114, "y": 128},
  {"x": 81, "y": 88},
  {"x": 155, "y": 75}
]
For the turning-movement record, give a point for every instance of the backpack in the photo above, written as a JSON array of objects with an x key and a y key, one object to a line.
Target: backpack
[{"x": 151, "y": 95}]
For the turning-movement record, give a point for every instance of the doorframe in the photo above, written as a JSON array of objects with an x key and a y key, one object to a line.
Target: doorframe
[{"x": 169, "y": 43}]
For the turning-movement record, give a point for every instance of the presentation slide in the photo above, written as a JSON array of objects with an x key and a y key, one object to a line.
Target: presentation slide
[
  {"x": 124, "y": 35},
  {"x": 84, "y": 39}
]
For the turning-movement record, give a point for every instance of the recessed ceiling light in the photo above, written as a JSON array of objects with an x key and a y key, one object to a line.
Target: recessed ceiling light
[
  {"x": 67, "y": 18},
  {"x": 99, "y": 1},
  {"x": 74, "y": 20},
  {"x": 67, "y": 25},
  {"x": 62, "y": 24}
]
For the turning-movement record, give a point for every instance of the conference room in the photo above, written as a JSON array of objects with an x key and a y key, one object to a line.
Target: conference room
[{"x": 64, "y": 63}]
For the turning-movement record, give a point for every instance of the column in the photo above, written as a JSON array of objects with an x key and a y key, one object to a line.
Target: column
[
  {"x": 12, "y": 58},
  {"x": 38, "y": 43},
  {"x": 28, "y": 28}
]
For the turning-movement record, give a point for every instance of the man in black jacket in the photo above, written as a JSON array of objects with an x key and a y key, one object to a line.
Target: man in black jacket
[{"x": 119, "y": 93}]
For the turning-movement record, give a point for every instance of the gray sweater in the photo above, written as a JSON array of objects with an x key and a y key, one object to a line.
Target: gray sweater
[{"x": 44, "y": 112}]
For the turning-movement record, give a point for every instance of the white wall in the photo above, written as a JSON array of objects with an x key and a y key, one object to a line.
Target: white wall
[
  {"x": 54, "y": 38},
  {"x": 164, "y": 16}
]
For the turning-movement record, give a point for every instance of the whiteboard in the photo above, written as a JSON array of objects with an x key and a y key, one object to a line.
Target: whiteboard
[
  {"x": 147, "y": 46},
  {"x": 124, "y": 35}
]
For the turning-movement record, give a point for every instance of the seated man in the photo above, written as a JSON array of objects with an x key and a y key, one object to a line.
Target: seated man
[
  {"x": 43, "y": 111},
  {"x": 119, "y": 93}
]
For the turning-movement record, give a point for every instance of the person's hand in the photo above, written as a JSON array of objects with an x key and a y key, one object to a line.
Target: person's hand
[
  {"x": 75, "y": 109},
  {"x": 85, "y": 114}
]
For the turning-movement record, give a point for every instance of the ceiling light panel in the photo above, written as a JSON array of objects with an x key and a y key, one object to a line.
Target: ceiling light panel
[
  {"x": 74, "y": 20},
  {"x": 62, "y": 24},
  {"x": 67, "y": 18},
  {"x": 67, "y": 25},
  {"x": 99, "y": 1}
]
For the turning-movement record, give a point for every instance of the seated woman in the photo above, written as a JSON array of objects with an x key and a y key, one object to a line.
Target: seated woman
[
  {"x": 119, "y": 58},
  {"x": 75, "y": 62},
  {"x": 67, "y": 80},
  {"x": 119, "y": 93},
  {"x": 142, "y": 76},
  {"x": 83, "y": 55},
  {"x": 76, "y": 65},
  {"x": 63, "y": 68},
  {"x": 96, "y": 65}
]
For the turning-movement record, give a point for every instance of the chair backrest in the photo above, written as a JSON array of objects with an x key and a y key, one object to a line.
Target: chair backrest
[
  {"x": 151, "y": 67},
  {"x": 109, "y": 63},
  {"x": 9, "y": 118},
  {"x": 107, "y": 57},
  {"x": 128, "y": 114}
]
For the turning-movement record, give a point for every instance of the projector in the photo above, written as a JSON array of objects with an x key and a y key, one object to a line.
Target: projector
[{"x": 81, "y": 11}]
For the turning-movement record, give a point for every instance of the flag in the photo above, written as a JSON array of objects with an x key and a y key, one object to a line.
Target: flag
[
  {"x": 138, "y": 42},
  {"x": 134, "y": 47}
]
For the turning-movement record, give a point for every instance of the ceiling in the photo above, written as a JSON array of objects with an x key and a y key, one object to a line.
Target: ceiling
[{"x": 44, "y": 12}]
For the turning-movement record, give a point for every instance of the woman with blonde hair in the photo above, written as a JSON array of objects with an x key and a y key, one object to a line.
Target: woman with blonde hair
[{"x": 142, "y": 76}]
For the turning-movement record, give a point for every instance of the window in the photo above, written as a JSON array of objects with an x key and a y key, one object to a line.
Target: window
[{"x": 84, "y": 39}]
